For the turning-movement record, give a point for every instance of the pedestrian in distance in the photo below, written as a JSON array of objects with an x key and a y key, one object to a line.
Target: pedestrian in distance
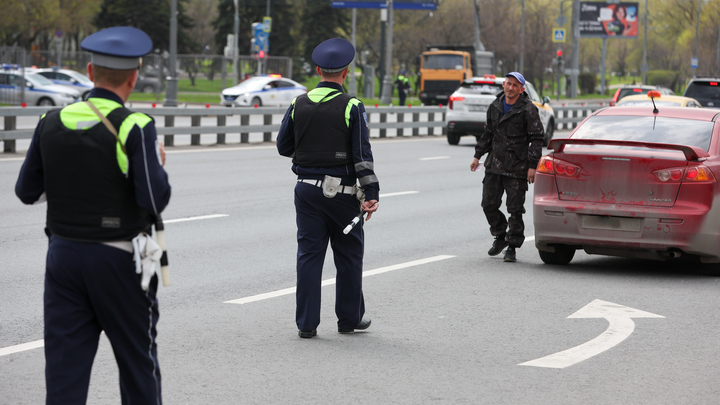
[
  {"x": 403, "y": 85},
  {"x": 325, "y": 132},
  {"x": 513, "y": 140},
  {"x": 99, "y": 166}
]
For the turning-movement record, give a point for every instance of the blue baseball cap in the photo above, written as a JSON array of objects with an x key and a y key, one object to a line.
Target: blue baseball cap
[
  {"x": 333, "y": 55},
  {"x": 117, "y": 47},
  {"x": 518, "y": 76}
]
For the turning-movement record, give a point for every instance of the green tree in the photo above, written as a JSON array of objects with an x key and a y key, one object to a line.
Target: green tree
[{"x": 153, "y": 17}]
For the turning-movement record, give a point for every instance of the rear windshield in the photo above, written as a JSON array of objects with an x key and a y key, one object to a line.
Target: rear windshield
[
  {"x": 704, "y": 90},
  {"x": 443, "y": 62},
  {"x": 480, "y": 88},
  {"x": 674, "y": 131},
  {"x": 631, "y": 92}
]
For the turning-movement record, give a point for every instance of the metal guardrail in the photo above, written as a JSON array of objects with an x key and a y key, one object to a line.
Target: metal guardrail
[{"x": 405, "y": 118}]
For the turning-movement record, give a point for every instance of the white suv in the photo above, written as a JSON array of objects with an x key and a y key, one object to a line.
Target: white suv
[{"x": 467, "y": 108}]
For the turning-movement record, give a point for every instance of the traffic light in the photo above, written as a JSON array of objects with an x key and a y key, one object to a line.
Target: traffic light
[
  {"x": 559, "y": 54},
  {"x": 261, "y": 54}
]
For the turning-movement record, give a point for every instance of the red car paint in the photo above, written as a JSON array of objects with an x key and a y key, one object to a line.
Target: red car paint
[{"x": 640, "y": 184}]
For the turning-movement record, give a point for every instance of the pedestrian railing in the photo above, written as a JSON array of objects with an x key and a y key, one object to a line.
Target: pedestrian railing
[{"x": 382, "y": 121}]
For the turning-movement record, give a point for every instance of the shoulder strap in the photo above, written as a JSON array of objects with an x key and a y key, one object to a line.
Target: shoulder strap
[
  {"x": 307, "y": 123},
  {"x": 108, "y": 125}
]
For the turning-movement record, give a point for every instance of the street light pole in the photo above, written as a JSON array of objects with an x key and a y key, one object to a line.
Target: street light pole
[
  {"x": 387, "y": 81},
  {"x": 236, "y": 25},
  {"x": 644, "y": 67},
  {"x": 522, "y": 39},
  {"x": 697, "y": 35},
  {"x": 172, "y": 80}
]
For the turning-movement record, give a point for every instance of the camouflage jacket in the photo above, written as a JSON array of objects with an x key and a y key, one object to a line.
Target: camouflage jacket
[{"x": 513, "y": 141}]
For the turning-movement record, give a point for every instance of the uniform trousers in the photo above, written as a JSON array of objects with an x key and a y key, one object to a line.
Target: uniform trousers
[
  {"x": 319, "y": 220},
  {"x": 89, "y": 288},
  {"x": 494, "y": 185}
]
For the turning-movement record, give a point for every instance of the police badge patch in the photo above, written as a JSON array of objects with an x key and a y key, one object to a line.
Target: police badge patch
[{"x": 366, "y": 119}]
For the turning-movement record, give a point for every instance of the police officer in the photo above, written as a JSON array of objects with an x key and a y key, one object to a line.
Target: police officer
[
  {"x": 325, "y": 132},
  {"x": 103, "y": 189},
  {"x": 402, "y": 83},
  {"x": 513, "y": 140}
]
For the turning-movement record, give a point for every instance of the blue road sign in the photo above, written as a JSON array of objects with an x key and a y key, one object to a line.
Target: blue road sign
[{"x": 262, "y": 38}]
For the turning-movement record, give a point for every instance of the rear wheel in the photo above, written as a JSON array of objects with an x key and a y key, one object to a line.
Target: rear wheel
[
  {"x": 45, "y": 102},
  {"x": 256, "y": 101},
  {"x": 453, "y": 139},
  {"x": 562, "y": 255}
]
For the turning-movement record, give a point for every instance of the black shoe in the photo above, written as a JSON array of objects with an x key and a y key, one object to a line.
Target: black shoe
[
  {"x": 498, "y": 246},
  {"x": 364, "y": 324},
  {"x": 307, "y": 333},
  {"x": 510, "y": 255}
]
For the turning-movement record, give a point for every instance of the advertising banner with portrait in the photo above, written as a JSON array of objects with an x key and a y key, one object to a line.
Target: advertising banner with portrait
[{"x": 602, "y": 19}]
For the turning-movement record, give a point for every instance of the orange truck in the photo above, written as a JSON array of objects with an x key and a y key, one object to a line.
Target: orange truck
[{"x": 444, "y": 67}]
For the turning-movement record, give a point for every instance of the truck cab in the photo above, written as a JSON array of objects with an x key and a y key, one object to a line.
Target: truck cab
[{"x": 441, "y": 72}]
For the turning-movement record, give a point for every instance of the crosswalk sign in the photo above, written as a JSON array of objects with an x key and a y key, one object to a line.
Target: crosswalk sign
[{"x": 558, "y": 35}]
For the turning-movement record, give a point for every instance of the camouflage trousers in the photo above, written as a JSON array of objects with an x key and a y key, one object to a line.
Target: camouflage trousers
[{"x": 494, "y": 185}]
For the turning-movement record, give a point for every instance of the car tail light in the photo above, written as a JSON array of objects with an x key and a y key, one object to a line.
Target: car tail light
[
  {"x": 637, "y": 90},
  {"x": 698, "y": 173},
  {"x": 557, "y": 167},
  {"x": 453, "y": 99}
]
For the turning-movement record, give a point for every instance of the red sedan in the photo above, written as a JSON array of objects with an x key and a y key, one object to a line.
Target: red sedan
[{"x": 632, "y": 182}]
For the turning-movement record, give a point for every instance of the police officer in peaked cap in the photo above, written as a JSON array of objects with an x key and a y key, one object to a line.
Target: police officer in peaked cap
[
  {"x": 99, "y": 166},
  {"x": 325, "y": 132}
]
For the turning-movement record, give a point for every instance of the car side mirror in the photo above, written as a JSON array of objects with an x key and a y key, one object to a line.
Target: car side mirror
[
  {"x": 267, "y": 87},
  {"x": 73, "y": 81},
  {"x": 29, "y": 85},
  {"x": 546, "y": 100}
]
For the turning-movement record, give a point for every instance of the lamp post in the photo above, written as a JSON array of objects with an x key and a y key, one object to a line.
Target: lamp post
[
  {"x": 522, "y": 39},
  {"x": 644, "y": 67},
  {"x": 172, "y": 80},
  {"x": 387, "y": 81}
]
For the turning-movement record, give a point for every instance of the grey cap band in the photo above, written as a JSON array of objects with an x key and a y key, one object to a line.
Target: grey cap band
[
  {"x": 114, "y": 62},
  {"x": 334, "y": 70}
]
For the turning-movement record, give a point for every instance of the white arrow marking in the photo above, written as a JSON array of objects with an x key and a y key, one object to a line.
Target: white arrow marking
[{"x": 621, "y": 326}]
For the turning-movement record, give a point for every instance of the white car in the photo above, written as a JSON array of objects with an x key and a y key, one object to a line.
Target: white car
[
  {"x": 467, "y": 107},
  {"x": 38, "y": 90},
  {"x": 70, "y": 78},
  {"x": 262, "y": 91}
]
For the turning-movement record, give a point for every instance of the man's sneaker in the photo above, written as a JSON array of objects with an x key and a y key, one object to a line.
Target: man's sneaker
[
  {"x": 498, "y": 246},
  {"x": 510, "y": 255}
]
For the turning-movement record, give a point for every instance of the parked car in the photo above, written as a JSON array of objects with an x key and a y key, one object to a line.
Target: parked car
[
  {"x": 705, "y": 90},
  {"x": 38, "y": 90},
  {"x": 631, "y": 182},
  {"x": 262, "y": 90},
  {"x": 636, "y": 89},
  {"x": 148, "y": 85},
  {"x": 69, "y": 78},
  {"x": 467, "y": 107},
  {"x": 654, "y": 97}
]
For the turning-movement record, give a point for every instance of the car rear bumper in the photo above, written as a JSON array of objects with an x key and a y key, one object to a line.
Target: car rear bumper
[
  {"x": 466, "y": 127},
  {"x": 625, "y": 230}
]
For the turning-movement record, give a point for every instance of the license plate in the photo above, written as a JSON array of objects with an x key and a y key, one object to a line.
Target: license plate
[
  {"x": 612, "y": 223},
  {"x": 476, "y": 108}
]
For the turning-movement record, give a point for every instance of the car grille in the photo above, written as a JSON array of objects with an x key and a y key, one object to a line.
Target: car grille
[
  {"x": 445, "y": 86},
  {"x": 230, "y": 98}
]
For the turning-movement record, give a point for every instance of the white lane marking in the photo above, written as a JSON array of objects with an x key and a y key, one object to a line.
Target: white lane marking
[
  {"x": 170, "y": 221},
  {"x": 218, "y": 149},
  {"x": 529, "y": 239},
  {"x": 621, "y": 326},
  {"x": 22, "y": 347},
  {"x": 435, "y": 158},
  {"x": 398, "y": 193},
  {"x": 330, "y": 281}
]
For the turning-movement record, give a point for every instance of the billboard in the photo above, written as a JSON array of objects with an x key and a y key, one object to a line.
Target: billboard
[
  {"x": 397, "y": 4},
  {"x": 602, "y": 19}
]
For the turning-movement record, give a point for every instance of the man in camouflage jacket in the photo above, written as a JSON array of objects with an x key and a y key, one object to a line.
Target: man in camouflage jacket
[{"x": 513, "y": 140}]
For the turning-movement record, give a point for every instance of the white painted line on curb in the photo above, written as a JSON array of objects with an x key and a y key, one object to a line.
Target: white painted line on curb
[
  {"x": 22, "y": 347},
  {"x": 170, "y": 221},
  {"x": 435, "y": 158},
  {"x": 291, "y": 290},
  {"x": 398, "y": 193}
]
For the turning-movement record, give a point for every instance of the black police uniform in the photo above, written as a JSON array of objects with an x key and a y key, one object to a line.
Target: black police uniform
[
  {"x": 513, "y": 142},
  {"x": 335, "y": 143},
  {"x": 101, "y": 192}
]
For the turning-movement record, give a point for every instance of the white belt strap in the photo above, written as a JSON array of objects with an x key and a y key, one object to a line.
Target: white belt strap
[
  {"x": 147, "y": 258},
  {"x": 125, "y": 245},
  {"x": 341, "y": 189}
]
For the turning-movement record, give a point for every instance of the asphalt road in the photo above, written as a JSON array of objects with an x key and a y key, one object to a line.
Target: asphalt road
[{"x": 451, "y": 325}]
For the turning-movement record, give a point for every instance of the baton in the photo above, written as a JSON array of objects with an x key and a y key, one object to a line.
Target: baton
[
  {"x": 354, "y": 222},
  {"x": 164, "y": 268}
]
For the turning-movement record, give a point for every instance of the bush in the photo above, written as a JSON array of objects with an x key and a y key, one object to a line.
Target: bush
[
  {"x": 665, "y": 78},
  {"x": 587, "y": 82}
]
